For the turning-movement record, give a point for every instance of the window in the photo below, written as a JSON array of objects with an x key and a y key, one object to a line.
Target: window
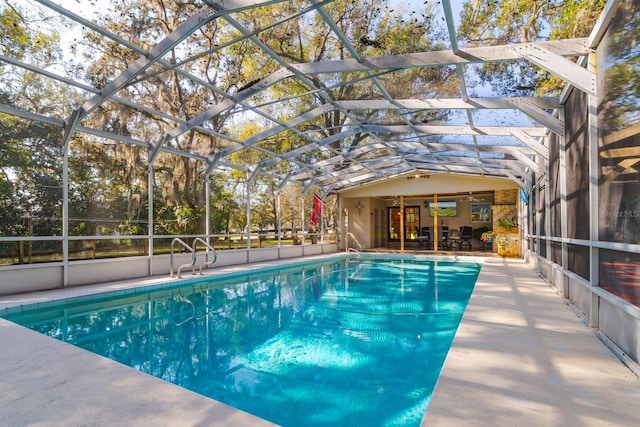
[{"x": 480, "y": 212}]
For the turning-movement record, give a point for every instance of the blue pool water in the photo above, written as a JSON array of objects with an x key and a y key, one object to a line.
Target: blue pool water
[{"x": 357, "y": 341}]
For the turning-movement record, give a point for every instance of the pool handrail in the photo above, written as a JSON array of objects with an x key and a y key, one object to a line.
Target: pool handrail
[
  {"x": 350, "y": 249},
  {"x": 193, "y": 258},
  {"x": 209, "y": 247}
]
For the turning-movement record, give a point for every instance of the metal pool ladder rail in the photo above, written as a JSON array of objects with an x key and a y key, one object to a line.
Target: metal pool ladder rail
[
  {"x": 207, "y": 263},
  {"x": 193, "y": 256},
  {"x": 349, "y": 248}
]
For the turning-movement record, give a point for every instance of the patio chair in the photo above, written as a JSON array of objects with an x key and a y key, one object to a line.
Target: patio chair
[
  {"x": 466, "y": 234},
  {"x": 424, "y": 239},
  {"x": 444, "y": 241},
  {"x": 453, "y": 239}
]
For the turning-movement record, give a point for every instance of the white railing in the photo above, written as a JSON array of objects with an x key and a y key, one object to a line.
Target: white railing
[
  {"x": 349, "y": 248},
  {"x": 193, "y": 258},
  {"x": 209, "y": 248},
  {"x": 193, "y": 249}
]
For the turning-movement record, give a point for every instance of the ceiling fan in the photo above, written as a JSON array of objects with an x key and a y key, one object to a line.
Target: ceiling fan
[{"x": 472, "y": 198}]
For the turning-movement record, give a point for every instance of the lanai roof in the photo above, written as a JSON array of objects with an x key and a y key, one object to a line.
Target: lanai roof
[{"x": 341, "y": 140}]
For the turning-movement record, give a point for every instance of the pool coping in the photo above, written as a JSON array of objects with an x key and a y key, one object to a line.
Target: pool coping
[{"x": 539, "y": 374}]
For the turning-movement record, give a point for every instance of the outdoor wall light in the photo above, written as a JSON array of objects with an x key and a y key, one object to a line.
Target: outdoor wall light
[{"x": 359, "y": 206}]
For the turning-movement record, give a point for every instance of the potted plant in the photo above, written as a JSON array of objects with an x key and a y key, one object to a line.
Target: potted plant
[
  {"x": 507, "y": 225},
  {"x": 488, "y": 236}
]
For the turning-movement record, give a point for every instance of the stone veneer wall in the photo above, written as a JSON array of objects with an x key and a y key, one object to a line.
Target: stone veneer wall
[
  {"x": 505, "y": 197},
  {"x": 504, "y": 205}
]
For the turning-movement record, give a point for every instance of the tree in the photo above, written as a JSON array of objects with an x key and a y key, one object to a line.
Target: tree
[
  {"x": 180, "y": 178},
  {"x": 264, "y": 208},
  {"x": 620, "y": 65},
  {"x": 521, "y": 21},
  {"x": 374, "y": 29},
  {"x": 30, "y": 155}
]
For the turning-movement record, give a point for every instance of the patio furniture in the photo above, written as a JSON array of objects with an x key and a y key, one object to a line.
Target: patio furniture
[
  {"x": 444, "y": 239},
  {"x": 424, "y": 239},
  {"x": 454, "y": 239},
  {"x": 466, "y": 234}
]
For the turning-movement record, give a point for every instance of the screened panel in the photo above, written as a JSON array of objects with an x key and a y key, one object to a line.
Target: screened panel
[
  {"x": 178, "y": 196},
  {"x": 541, "y": 218},
  {"x": 107, "y": 189},
  {"x": 532, "y": 217},
  {"x": 15, "y": 252},
  {"x": 556, "y": 253},
  {"x": 577, "y": 159},
  {"x": 619, "y": 130},
  {"x": 30, "y": 178},
  {"x": 554, "y": 184},
  {"x": 532, "y": 244},
  {"x": 532, "y": 208},
  {"x": 619, "y": 273},
  {"x": 81, "y": 249},
  {"x": 30, "y": 191},
  {"x": 107, "y": 197},
  {"x": 578, "y": 260}
]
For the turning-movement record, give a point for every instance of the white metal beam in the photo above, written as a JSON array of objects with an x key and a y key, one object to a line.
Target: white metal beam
[
  {"x": 515, "y": 179},
  {"x": 448, "y": 103},
  {"x": 31, "y": 116},
  {"x": 559, "y": 66},
  {"x": 569, "y": 47},
  {"x": 253, "y": 172},
  {"x": 518, "y": 171},
  {"x": 554, "y": 124},
  {"x": 455, "y": 130},
  {"x": 531, "y": 142},
  {"x": 522, "y": 158}
]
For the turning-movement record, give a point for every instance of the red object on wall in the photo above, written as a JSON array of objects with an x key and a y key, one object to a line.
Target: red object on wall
[{"x": 317, "y": 209}]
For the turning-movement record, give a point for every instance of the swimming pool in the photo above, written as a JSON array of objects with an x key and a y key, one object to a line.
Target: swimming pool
[{"x": 347, "y": 341}]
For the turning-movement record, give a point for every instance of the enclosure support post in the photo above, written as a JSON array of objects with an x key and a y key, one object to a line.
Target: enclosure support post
[
  {"x": 594, "y": 254},
  {"x": 207, "y": 210},
  {"x": 562, "y": 177},
  {"x": 279, "y": 214},
  {"x": 150, "y": 173},
  {"x": 65, "y": 217},
  {"x": 547, "y": 217},
  {"x": 248, "y": 231},
  {"x": 321, "y": 226},
  {"x": 401, "y": 223},
  {"x": 435, "y": 222},
  {"x": 302, "y": 224}
]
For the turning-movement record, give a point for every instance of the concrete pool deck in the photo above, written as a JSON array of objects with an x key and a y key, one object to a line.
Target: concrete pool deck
[{"x": 522, "y": 357}]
